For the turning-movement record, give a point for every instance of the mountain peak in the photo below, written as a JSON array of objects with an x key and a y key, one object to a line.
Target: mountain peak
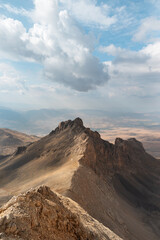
[
  {"x": 129, "y": 143},
  {"x": 77, "y": 122}
]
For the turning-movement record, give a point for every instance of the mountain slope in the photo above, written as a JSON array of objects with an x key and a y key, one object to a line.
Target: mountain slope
[
  {"x": 10, "y": 140},
  {"x": 42, "y": 214},
  {"x": 117, "y": 184}
]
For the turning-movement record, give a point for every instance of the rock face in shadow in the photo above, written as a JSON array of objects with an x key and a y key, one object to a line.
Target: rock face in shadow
[
  {"x": 117, "y": 184},
  {"x": 43, "y": 214}
]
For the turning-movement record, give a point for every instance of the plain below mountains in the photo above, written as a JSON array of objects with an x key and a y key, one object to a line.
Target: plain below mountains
[{"x": 117, "y": 184}]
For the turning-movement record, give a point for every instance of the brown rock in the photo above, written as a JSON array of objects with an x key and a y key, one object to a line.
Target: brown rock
[{"x": 43, "y": 214}]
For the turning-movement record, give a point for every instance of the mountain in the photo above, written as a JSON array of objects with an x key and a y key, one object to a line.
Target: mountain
[
  {"x": 117, "y": 184},
  {"x": 37, "y": 122},
  {"x": 143, "y": 126},
  {"x": 42, "y": 214},
  {"x": 10, "y": 140}
]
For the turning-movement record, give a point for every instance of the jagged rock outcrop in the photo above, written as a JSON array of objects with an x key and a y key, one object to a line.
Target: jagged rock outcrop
[
  {"x": 77, "y": 125},
  {"x": 20, "y": 149},
  {"x": 43, "y": 214},
  {"x": 117, "y": 184}
]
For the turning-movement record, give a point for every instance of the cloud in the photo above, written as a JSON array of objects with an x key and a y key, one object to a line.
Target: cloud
[
  {"x": 11, "y": 79},
  {"x": 134, "y": 73},
  {"x": 148, "y": 30},
  {"x": 11, "y": 32},
  {"x": 56, "y": 42},
  {"x": 13, "y": 44},
  {"x": 123, "y": 55},
  {"x": 14, "y": 10},
  {"x": 90, "y": 13},
  {"x": 153, "y": 51}
]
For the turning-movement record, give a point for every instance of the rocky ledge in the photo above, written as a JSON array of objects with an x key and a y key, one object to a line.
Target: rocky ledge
[{"x": 42, "y": 214}]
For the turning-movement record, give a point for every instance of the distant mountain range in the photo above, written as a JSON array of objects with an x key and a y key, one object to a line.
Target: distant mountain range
[
  {"x": 40, "y": 122},
  {"x": 143, "y": 126}
]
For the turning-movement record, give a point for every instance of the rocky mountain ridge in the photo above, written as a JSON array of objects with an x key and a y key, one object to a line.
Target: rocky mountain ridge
[{"x": 120, "y": 179}]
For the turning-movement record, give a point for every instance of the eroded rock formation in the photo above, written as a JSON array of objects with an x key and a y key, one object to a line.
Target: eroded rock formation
[{"x": 43, "y": 214}]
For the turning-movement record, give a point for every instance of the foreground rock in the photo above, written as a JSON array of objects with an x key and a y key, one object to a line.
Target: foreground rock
[{"x": 43, "y": 214}]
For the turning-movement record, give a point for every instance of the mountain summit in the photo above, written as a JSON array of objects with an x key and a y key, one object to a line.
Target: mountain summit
[{"x": 117, "y": 184}]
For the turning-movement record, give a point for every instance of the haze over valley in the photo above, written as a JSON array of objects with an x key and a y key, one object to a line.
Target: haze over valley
[{"x": 143, "y": 126}]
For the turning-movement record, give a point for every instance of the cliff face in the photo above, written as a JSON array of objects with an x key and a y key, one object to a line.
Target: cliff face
[
  {"x": 117, "y": 184},
  {"x": 125, "y": 155}
]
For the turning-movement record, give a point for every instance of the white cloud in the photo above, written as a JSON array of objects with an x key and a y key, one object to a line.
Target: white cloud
[
  {"x": 134, "y": 73},
  {"x": 12, "y": 44},
  {"x": 90, "y": 13},
  {"x": 11, "y": 32},
  {"x": 46, "y": 12},
  {"x": 148, "y": 30},
  {"x": 14, "y": 10},
  {"x": 111, "y": 50},
  {"x": 123, "y": 55},
  {"x": 153, "y": 51},
  {"x": 10, "y": 79},
  {"x": 57, "y": 43}
]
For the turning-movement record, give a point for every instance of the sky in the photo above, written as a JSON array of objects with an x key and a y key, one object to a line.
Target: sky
[{"x": 80, "y": 54}]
